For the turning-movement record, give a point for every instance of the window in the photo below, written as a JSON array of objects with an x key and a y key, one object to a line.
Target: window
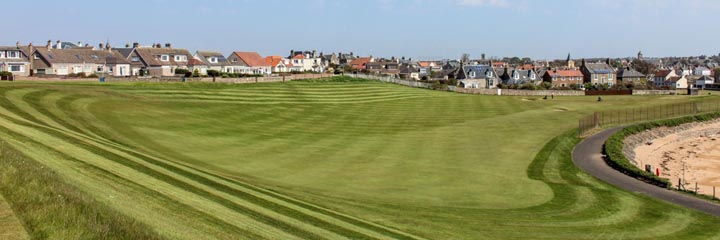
[
  {"x": 164, "y": 58},
  {"x": 37, "y": 56},
  {"x": 595, "y": 77},
  {"x": 99, "y": 68},
  {"x": 213, "y": 60},
  {"x": 17, "y": 68},
  {"x": 471, "y": 74},
  {"x": 135, "y": 59},
  {"x": 610, "y": 76},
  {"x": 13, "y": 54},
  {"x": 110, "y": 69},
  {"x": 562, "y": 79},
  {"x": 2, "y": 54},
  {"x": 234, "y": 60}
]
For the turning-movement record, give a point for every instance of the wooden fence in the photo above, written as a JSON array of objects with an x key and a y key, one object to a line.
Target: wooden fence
[{"x": 604, "y": 119}]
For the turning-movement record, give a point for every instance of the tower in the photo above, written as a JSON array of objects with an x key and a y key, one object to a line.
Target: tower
[
  {"x": 640, "y": 55},
  {"x": 570, "y": 62}
]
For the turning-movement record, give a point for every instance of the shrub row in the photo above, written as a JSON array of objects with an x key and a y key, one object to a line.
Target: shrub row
[{"x": 617, "y": 159}]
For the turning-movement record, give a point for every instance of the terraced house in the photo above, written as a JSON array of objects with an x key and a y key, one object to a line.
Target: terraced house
[
  {"x": 15, "y": 60},
  {"x": 102, "y": 61},
  {"x": 214, "y": 60},
  {"x": 563, "y": 78},
  {"x": 519, "y": 76},
  {"x": 598, "y": 73},
  {"x": 160, "y": 61}
]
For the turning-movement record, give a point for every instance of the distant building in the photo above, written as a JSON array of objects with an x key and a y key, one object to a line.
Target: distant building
[
  {"x": 563, "y": 78},
  {"x": 477, "y": 76},
  {"x": 598, "y": 73},
  {"x": 15, "y": 60}
]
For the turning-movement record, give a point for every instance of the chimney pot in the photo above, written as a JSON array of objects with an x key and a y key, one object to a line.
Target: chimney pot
[
  {"x": 168, "y": 45},
  {"x": 136, "y": 45}
]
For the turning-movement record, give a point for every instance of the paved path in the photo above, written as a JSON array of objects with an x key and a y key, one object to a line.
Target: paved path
[{"x": 588, "y": 156}]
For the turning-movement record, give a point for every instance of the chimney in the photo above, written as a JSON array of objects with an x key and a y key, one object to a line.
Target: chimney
[
  {"x": 136, "y": 44},
  {"x": 158, "y": 45},
  {"x": 17, "y": 44},
  {"x": 49, "y": 44},
  {"x": 108, "y": 48},
  {"x": 314, "y": 53},
  {"x": 168, "y": 45},
  {"x": 30, "y": 45},
  {"x": 87, "y": 45},
  {"x": 101, "y": 46},
  {"x": 127, "y": 45},
  {"x": 292, "y": 53},
  {"x": 351, "y": 54},
  {"x": 58, "y": 45},
  {"x": 79, "y": 44}
]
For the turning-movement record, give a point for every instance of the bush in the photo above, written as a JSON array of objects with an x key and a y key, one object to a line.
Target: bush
[
  {"x": 92, "y": 75},
  {"x": 195, "y": 73},
  {"x": 213, "y": 73},
  {"x": 5, "y": 74},
  {"x": 181, "y": 71},
  {"x": 614, "y": 147}
]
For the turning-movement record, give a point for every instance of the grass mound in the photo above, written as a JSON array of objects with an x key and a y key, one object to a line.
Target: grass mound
[{"x": 334, "y": 159}]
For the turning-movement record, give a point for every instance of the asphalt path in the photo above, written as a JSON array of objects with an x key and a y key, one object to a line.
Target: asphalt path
[{"x": 588, "y": 156}]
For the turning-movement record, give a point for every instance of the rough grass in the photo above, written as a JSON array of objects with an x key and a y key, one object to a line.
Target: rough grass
[{"x": 340, "y": 158}]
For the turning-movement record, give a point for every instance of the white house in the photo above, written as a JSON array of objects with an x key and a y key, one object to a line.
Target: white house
[
  {"x": 306, "y": 61},
  {"x": 701, "y": 71}
]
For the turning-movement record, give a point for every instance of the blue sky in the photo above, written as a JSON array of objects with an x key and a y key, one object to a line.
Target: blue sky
[{"x": 428, "y": 29}]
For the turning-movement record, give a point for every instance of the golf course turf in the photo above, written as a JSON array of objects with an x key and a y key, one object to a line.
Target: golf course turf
[{"x": 325, "y": 159}]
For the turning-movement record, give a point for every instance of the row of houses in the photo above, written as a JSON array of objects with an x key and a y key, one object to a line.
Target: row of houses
[{"x": 65, "y": 58}]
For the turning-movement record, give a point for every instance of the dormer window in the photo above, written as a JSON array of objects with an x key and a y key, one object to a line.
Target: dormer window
[
  {"x": 213, "y": 60},
  {"x": 13, "y": 54},
  {"x": 532, "y": 75},
  {"x": 165, "y": 58},
  {"x": 516, "y": 75},
  {"x": 471, "y": 74},
  {"x": 180, "y": 58},
  {"x": 135, "y": 59}
]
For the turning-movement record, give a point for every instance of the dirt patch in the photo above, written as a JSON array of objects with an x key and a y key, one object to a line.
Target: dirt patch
[
  {"x": 561, "y": 109},
  {"x": 689, "y": 153}
]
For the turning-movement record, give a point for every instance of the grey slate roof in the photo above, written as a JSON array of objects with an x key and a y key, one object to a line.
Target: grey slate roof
[
  {"x": 76, "y": 55},
  {"x": 630, "y": 73},
  {"x": 204, "y": 55},
  {"x": 477, "y": 72},
  {"x": 599, "y": 68}
]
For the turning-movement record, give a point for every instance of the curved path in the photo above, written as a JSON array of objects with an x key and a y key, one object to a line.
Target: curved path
[{"x": 588, "y": 156}]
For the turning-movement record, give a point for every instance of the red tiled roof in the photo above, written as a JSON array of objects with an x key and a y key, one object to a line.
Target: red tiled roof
[
  {"x": 662, "y": 73},
  {"x": 252, "y": 59},
  {"x": 275, "y": 60},
  {"x": 424, "y": 64},
  {"x": 673, "y": 79},
  {"x": 566, "y": 73},
  {"x": 195, "y": 62},
  {"x": 299, "y": 56},
  {"x": 359, "y": 63}
]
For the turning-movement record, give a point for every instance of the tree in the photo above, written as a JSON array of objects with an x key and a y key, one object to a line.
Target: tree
[
  {"x": 717, "y": 74},
  {"x": 465, "y": 58},
  {"x": 643, "y": 66}
]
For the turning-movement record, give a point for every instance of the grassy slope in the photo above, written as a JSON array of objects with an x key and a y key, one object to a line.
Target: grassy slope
[
  {"x": 430, "y": 164},
  {"x": 10, "y": 227}
]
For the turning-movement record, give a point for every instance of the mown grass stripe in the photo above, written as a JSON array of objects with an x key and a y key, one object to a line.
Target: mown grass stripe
[
  {"x": 186, "y": 209},
  {"x": 142, "y": 156},
  {"x": 258, "y": 201}
]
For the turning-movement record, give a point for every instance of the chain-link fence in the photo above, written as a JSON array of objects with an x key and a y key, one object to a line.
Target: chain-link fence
[{"x": 642, "y": 114}]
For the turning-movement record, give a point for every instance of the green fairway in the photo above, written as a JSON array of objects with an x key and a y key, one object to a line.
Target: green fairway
[{"x": 334, "y": 159}]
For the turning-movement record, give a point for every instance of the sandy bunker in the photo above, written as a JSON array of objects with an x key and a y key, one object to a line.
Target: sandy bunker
[{"x": 689, "y": 154}]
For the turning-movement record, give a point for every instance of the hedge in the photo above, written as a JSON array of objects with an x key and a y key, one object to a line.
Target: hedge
[{"x": 617, "y": 159}]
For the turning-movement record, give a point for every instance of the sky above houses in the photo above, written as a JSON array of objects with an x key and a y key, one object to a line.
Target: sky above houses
[{"x": 421, "y": 29}]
